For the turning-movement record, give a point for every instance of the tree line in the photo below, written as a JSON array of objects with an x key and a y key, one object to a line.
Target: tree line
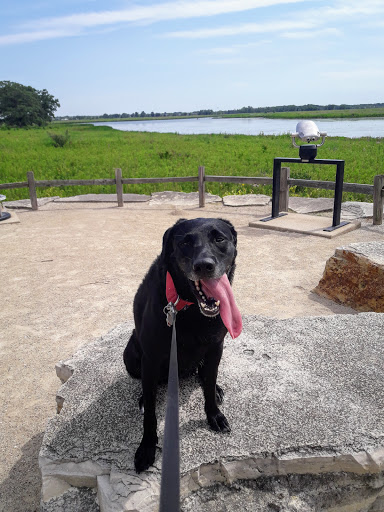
[
  {"x": 22, "y": 106},
  {"x": 210, "y": 112}
]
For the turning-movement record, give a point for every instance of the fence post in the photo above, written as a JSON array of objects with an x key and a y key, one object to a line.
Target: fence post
[
  {"x": 119, "y": 188},
  {"x": 284, "y": 189},
  {"x": 201, "y": 186},
  {"x": 32, "y": 189},
  {"x": 378, "y": 199}
]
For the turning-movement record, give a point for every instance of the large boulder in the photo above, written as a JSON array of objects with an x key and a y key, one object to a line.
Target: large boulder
[
  {"x": 354, "y": 276},
  {"x": 303, "y": 397}
]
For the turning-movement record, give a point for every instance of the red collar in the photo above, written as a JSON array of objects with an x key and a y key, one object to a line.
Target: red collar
[{"x": 173, "y": 296}]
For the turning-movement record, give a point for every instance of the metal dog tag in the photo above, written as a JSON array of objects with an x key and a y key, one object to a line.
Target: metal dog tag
[{"x": 170, "y": 313}]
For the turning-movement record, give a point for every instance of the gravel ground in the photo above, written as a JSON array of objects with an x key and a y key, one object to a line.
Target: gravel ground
[{"x": 69, "y": 273}]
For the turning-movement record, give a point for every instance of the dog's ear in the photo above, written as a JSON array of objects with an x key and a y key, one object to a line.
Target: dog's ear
[
  {"x": 167, "y": 237},
  {"x": 233, "y": 230}
]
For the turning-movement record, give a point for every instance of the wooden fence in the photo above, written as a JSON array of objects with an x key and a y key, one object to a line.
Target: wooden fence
[{"x": 376, "y": 190}]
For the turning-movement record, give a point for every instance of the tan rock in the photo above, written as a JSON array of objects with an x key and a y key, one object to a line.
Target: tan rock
[{"x": 354, "y": 276}]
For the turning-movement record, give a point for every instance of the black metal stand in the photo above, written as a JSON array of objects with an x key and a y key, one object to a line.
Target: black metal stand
[
  {"x": 338, "y": 188},
  {"x": 3, "y": 215}
]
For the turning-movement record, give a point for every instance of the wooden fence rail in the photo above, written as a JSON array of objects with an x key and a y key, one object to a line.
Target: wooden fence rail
[{"x": 376, "y": 190}]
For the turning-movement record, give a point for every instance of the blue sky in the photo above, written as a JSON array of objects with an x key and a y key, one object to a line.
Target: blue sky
[{"x": 123, "y": 56}]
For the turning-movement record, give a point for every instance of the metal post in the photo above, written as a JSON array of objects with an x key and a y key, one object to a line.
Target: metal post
[
  {"x": 275, "y": 191},
  {"x": 338, "y": 193},
  {"x": 338, "y": 198},
  {"x": 276, "y": 188},
  {"x": 3, "y": 215}
]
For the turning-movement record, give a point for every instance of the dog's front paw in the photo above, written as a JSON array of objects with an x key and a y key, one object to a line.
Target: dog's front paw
[
  {"x": 145, "y": 455},
  {"x": 218, "y": 422}
]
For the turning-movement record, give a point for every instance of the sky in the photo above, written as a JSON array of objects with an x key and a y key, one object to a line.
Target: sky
[{"x": 167, "y": 56}]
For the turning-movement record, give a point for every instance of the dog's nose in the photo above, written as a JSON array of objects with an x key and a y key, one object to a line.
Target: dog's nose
[{"x": 204, "y": 266}]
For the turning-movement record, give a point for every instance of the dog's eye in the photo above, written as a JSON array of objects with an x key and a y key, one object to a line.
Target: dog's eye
[
  {"x": 219, "y": 239},
  {"x": 184, "y": 243}
]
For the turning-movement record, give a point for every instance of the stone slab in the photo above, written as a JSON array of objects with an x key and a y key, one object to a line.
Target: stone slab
[
  {"x": 310, "y": 204},
  {"x": 181, "y": 198},
  {"x": 305, "y": 225},
  {"x": 104, "y": 198},
  {"x": 354, "y": 276},
  {"x": 246, "y": 200},
  {"x": 356, "y": 210},
  {"x": 13, "y": 219},
  {"x": 303, "y": 397},
  {"x": 26, "y": 203}
]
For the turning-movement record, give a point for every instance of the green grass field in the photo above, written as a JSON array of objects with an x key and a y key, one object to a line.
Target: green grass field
[
  {"x": 319, "y": 114},
  {"x": 94, "y": 152}
]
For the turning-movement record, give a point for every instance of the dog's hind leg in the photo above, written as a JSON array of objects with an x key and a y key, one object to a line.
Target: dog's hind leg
[
  {"x": 145, "y": 454},
  {"x": 132, "y": 357}
]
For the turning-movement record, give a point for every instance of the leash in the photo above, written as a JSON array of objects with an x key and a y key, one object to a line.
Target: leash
[{"x": 170, "y": 468}]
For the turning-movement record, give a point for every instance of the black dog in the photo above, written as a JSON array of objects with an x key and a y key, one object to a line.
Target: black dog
[{"x": 197, "y": 263}]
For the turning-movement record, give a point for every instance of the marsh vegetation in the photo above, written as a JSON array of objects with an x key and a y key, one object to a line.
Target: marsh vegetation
[{"x": 94, "y": 152}]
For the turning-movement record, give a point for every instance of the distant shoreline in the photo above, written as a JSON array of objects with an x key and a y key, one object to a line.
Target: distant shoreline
[{"x": 297, "y": 114}]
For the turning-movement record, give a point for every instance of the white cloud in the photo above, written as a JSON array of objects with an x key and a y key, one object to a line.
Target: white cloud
[
  {"x": 342, "y": 11},
  {"x": 351, "y": 8},
  {"x": 160, "y": 12},
  {"x": 74, "y": 24},
  {"x": 29, "y": 37},
  {"x": 246, "y": 28},
  {"x": 233, "y": 49},
  {"x": 304, "y": 20},
  {"x": 308, "y": 34}
]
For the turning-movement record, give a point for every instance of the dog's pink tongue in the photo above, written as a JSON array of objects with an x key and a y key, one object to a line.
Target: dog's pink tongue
[{"x": 220, "y": 289}]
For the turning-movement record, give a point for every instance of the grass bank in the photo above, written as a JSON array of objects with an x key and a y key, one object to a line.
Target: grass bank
[
  {"x": 319, "y": 114},
  {"x": 304, "y": 114},
  {"x": 94, "y": 152}
]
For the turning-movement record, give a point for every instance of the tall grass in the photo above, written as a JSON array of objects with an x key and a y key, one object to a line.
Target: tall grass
[{"x": 93, "y": 152}]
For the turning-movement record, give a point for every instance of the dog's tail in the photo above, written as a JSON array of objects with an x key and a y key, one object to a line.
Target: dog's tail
[{"x": 132, "y": 356}]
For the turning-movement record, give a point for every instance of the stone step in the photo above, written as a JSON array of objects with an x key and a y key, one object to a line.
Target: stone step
[{"x": 304, "y": 400}]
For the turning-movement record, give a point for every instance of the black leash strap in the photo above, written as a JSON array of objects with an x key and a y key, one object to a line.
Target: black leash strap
[{"x": 170, "y": 469}]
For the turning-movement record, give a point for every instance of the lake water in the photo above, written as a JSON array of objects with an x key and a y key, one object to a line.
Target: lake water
[{"x": 365, "y": 127}]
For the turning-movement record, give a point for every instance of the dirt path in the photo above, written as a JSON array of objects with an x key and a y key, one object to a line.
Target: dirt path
[{"x": 69, "y": 273}]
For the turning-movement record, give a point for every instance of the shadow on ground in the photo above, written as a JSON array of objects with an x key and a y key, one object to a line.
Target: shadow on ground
[{"x": 26, "y": 478}]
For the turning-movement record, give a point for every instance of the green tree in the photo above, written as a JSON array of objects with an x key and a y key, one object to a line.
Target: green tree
[{"x": 22, "y": 105}]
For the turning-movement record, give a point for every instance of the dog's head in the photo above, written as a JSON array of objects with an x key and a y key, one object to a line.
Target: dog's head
[{"x": 200, "y": 256}]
